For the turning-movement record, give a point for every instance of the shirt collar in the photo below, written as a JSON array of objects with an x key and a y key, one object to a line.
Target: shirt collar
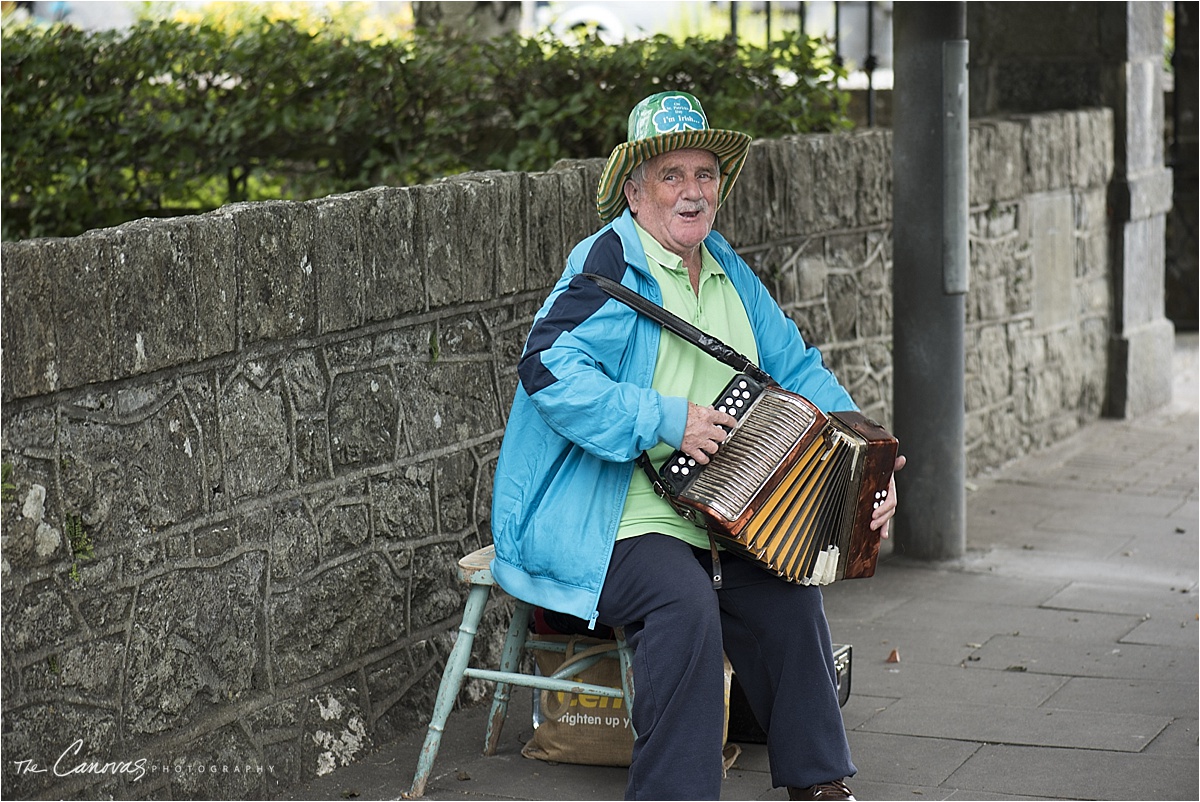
[{"x": 654, "y": 250}]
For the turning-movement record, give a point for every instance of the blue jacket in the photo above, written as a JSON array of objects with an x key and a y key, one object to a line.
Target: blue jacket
[{"x": 584, "y": 410}]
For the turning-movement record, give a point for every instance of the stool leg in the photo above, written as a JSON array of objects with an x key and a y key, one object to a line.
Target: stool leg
[
  {"x": 625, "y": 658},
  {"x": 452, "y": 678},
  {"x": 510, "y": 662}
]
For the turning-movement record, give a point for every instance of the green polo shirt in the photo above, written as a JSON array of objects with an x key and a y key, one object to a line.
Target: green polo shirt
[{"x": 684, "y": 370}]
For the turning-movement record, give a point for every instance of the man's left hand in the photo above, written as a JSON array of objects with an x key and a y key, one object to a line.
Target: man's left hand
[{"x": 881, "y": 518}]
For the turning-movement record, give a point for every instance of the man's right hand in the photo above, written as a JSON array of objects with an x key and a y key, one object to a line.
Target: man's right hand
[{"x": 703, "y": 435}]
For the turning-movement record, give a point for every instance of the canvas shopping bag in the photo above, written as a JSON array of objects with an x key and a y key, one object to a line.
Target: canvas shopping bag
[
  {"x": 584, "y": 728},
  {"x": 581, "y": 728}
]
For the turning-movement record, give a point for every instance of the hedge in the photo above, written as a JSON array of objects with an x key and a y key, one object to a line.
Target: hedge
[{"x": 172, "y": 117}]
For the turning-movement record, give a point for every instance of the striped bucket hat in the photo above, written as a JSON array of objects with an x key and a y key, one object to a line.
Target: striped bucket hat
[{"x": 660, "y": 123}]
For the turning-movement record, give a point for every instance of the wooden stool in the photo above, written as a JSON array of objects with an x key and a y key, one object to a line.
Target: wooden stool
[{"x": 475, "y": 570}]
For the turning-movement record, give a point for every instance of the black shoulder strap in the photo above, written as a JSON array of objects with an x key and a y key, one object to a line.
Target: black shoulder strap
[{"x": 680, "y": 327}]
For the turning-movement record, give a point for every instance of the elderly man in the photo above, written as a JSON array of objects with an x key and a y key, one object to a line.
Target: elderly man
[{"x": 578, "y": 530}]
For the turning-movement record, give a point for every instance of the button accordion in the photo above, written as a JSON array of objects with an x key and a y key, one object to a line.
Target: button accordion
[{"x": 791, "y": 488}]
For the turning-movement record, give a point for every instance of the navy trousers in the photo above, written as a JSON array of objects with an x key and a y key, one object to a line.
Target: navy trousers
[{"x": 776, "y": 637}]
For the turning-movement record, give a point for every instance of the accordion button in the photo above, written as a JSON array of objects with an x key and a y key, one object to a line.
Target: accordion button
[
  {"x": 742, "y": 384},
  {"x": 722, "y": 408},
  {"x": 728, "y": 400},
  {"x": 674, "y": 469},
  {"x": 741, "y": 403}
]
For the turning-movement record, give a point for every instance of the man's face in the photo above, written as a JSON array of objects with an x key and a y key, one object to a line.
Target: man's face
[{"x": 678, "y": 201}]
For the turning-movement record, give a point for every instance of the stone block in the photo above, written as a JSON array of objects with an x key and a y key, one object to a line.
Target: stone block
[
  {"x": 739, "y": 220},
  {"x": 1048, "y": 143},
  {"x": 546, "y": 251},
  {"x": 872, "y": 155},
  {"x": 833, "y": 187},
  {"x": 278, "y": 290},
  {"x": 393, "y": 257},
  {"x": 335, "y": 732},
  {"x": 1143, "y": 96},
  {"x": 254, "y": 435},
  {"x": 434, "y": 593},
  {"x": 44, "y": 603},
  {"x": 27, "y": 338},
  {"x": 222, "y": 762},
  {"x": 364, "y": 418},
  {"x": 154, "y": 297},
  {"x": 457, "y": 402},
  {"x": 339, "y": 271},
  {"x": 42, "y": 730},
  {"x": 463, "y": 336},
  {"x": 80, "y": 271},
  {"x": 195, "y": 641},
  {"x": 1052, "y": 245},
  {"x": 438, "y": 240},
  {"x": 344, "y": 527},
  {"x": 494, "y": 215},
  {"x": 1140, "y": 275},
  {"x": 214, "y": 247},
  {"x": 996, "y": 159},
  {"x": 334, "y": 619},
  {"x": 1140, "y": 369},
  {"x": 1139, "y": 196},
  {"x": 401, "y": 501},
  {"x": 785, "y": 190},
  {"x": 1091, "y": 210},
  {"x": 144, "y": 469},
  {"x": 577, "y": 199},
  {"x": 455, "y": 476},
  {"x": 294, "y": 542},
  {"x": 1094, "y": 165}
]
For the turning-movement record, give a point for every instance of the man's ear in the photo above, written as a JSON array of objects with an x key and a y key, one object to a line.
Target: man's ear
[{"x": 631, "y": 196}]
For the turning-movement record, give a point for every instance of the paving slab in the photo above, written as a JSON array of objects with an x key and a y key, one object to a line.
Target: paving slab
[
  {"x": 981, "y": 621},
  {"x": 1165, "y": 629},
  {"x": 919, "y": 761},
  {"x": 1179, "y": 738},
  {"x": 1077, "y": 774},
  {"x": 923, "y": 681},
  {"x": 1072, "y": 659},
  {"x": 1008, "y": 724},
  {"x": 1143, "y": 600},
  {"x": 1151, "y": 697}
]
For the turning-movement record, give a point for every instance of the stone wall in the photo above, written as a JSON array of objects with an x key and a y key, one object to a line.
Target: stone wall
[{"x": 243, "y": 450}]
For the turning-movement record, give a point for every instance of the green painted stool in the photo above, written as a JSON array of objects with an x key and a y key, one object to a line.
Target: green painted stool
[{"x": 475, "y": 570}]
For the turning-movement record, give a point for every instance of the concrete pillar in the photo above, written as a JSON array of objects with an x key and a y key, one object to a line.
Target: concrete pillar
[{"x": 928, "y": 321}]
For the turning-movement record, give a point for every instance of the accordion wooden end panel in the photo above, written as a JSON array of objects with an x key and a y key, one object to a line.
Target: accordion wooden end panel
[{"x": 791, "y": 488}]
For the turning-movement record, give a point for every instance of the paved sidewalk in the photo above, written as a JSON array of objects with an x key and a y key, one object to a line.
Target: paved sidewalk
[{"x": 1056, "y": 660}]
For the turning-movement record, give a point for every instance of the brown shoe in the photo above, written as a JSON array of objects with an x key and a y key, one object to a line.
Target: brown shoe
[{"x": 835, "y": 789}]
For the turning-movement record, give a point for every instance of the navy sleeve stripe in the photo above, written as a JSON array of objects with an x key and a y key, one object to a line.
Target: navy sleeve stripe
[{"x": 574, "y": 305}]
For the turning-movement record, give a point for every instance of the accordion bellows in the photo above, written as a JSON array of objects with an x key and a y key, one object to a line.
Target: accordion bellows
[{"x": 791, "y": 488}]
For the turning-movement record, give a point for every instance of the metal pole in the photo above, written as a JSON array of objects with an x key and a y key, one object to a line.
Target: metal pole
[
  {"x": 837, "y": 33},
  {"x": 870, "y": 64},
  {"x": 733, "y": 20},
  {"x": 928, "y": 321}
]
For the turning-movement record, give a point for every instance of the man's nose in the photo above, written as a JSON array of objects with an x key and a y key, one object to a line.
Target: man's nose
[{"x": 692, "y": 189}]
